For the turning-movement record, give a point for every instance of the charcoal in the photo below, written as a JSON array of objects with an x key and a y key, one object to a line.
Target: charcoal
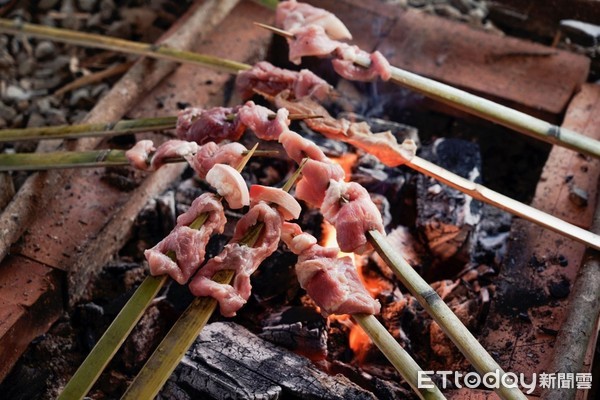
[
  {"x": 229, "y": 362},
  {"x": 301, "y": 329},
  {"x": 579, "y": 32},
  {"x": 446, "y": 216}
]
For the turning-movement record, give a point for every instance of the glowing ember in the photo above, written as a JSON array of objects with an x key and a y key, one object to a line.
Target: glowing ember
[{"x": 346, "y": 161}]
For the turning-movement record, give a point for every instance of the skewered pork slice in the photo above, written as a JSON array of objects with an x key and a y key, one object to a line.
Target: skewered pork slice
[
  {"x": 257, "y": 119},
  {"x": 213, "y": 125},
  {"x": 348, "y": 206},
  {"x": 344, "y": 65},
  {"x": 291, "y": 15},
  {"x": 211, "y": 154},
  {"x": 382, "y": 145},
  {"x": 139, "y": 154},
  {"x": 242, "y": 259},
  {"x": 180, "y": 253},
  {"x": 310, "y": 40},
  {"x": 173, "y": 149},
  {"x": 315, "y": 181},
  {"x": 331, "y": 282},
  {"x": 229, "y": 183},
  {"x": 266, "y": 78},
  {"x": 298, "y": 147}
]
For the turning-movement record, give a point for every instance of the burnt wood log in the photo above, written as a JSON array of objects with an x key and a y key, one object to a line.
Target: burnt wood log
[
  {"x": 229, "y": 362},
  {"x": 445, "y": 216},
  {"x": 300, "y": 329}
]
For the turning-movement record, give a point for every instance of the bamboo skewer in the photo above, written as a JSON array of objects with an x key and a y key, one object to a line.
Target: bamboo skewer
[
  {"x": 106, "y": 129},
  {"x": 91, "y": 368},
  {"x": 79, "y": 159},
  {"x": 457, "y": 98},
  {"x": 481, "y": 107},
  {"x": 479, "y": 192},
  {"x": 181, "y": 336},
  {"x": 441, "y": 313},
  {"x": 169, "y": 352},
  {"x": 120, "y": 45},
  {"x": 505, "y": 203},
  {"x": 398, "y": 357}
]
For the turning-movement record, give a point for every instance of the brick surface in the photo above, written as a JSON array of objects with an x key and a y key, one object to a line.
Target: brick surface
[
  {"x": 89, "y": 220},
  {"x": 532, "y": 263},
  {"x": 31, "y": 299}
]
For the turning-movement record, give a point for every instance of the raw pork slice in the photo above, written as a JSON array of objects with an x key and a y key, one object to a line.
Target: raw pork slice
[
  {"x": 266, "y": 78},
  {"x": 344, "y": 65},
  {"x": 316, "y": 176},
  {"x": 291, "y": 15},
  {"x": 173, "y": 149},
  {"x": 348, "y": 206},
  {"x": 211, "y": 153},
  {"x": 256, "y": 118},
  {"x": 331, "y": 282},
  {"x": 139, "y": 154},
  {"x": 242, "y": 259},
  {"x": 180, "y": 254}
]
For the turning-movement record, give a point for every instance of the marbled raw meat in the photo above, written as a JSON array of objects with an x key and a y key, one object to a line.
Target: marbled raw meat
[
  {"x": 332, "y": 282},
  {"x": 348, "y": 206},
  {"x": 187, "y": 245},
  {"x": 242, "y": 259},
  {"x": 292, "y": 14},
  {"x": 139, "y": 154},
  {"x": 211, "y": 153}
]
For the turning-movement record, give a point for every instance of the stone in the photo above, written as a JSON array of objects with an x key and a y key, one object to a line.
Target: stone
[
  {"x": 14, "y": 92},
  {"x": 44, "y": 49},
  {"x": 6, "y": 112},
  {"x": 47, "y": 4},
  {"x": 87, "y": 5}
]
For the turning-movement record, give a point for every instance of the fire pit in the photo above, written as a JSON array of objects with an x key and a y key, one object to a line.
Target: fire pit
[{"x": 280, "y": 344}]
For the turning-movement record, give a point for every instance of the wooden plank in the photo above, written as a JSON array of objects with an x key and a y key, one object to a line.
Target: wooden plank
[{"x": 540, "y": 265}]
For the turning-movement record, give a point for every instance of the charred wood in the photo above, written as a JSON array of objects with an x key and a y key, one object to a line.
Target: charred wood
[
  {"x": 229, "y": 362},
  {"x": 446, "y": 217}
]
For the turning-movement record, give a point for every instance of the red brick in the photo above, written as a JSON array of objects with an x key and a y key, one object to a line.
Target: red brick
[{"x": 31, "y": 299}]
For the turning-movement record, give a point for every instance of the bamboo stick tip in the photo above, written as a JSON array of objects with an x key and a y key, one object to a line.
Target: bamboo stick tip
[{"x": 275, "y": 30}]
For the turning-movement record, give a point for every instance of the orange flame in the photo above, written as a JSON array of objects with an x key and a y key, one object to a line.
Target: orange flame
[
  {"x": 346, "y": 161},
  {"x": 358, "y": 340}
]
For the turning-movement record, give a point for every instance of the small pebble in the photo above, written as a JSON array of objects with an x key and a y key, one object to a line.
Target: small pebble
[
  {"x": 15, "y": 93},
  {"x": 47, "y": 4},
  {"x": 87, "y": 5},
  {"x": 7, "y": 113},
  {"x": 80, "y": 98},
  {"x": 578, "y": 196},
  {"x": 36, "y": 120},
  {"x": 26, "y": 67},
  {"x": 107, "y": 8},
  {"x": 44, "y": 49}
]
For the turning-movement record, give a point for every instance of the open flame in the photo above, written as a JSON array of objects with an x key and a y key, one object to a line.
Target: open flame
[{"x": 358, "y": 340}]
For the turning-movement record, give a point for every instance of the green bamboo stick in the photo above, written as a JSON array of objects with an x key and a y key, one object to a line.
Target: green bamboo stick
[
  {"x": 120, "y": 45},
  {"x": 62, "y": 160},
  {"x": 79, "y": 159},
  {"x": 398, "y": 357},
  {"x": 480, "y": 107},
  {"x": 88, "y": 130},
  {"x": 182, "y": 335},
  {"x": 87, "y": 374},
  {"x": 441, "y": 313}
]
